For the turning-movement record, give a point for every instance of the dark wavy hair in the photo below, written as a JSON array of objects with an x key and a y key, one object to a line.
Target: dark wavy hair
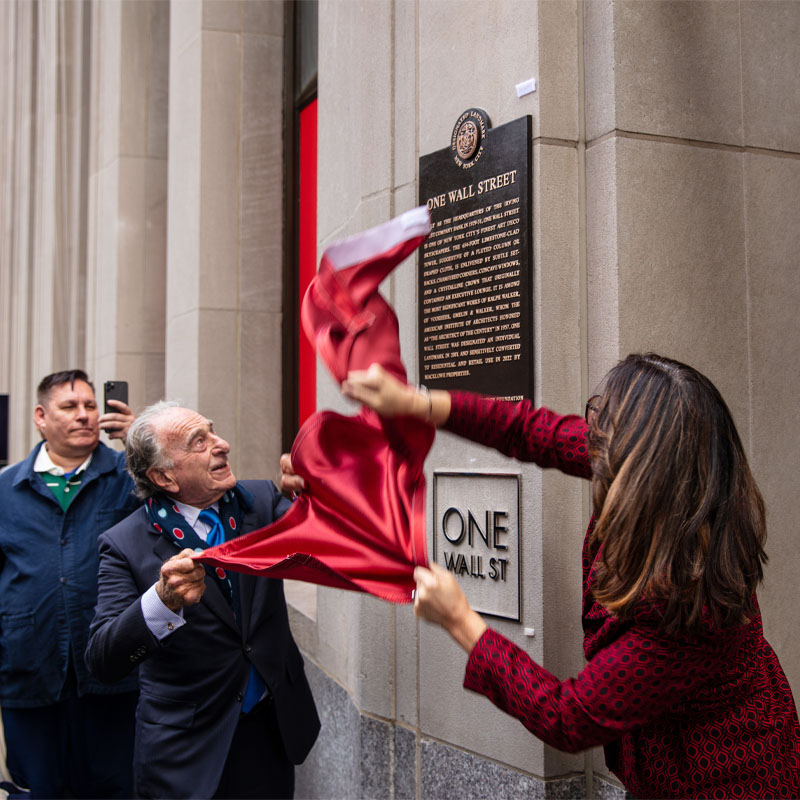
[
  {"x": 49, "y": 382},
  {"x": 678, "y": 513}
]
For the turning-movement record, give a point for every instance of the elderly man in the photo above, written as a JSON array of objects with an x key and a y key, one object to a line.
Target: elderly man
[
  {"x": 225, "y": 709},
  {"x": 67, "y": 734}
]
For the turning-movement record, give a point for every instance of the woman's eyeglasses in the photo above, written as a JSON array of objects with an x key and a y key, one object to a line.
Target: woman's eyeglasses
[{"x": 592, "y": 407}]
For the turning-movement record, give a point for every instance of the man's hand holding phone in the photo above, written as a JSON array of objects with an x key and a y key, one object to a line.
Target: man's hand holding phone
[{"x": 118, "y": 416}]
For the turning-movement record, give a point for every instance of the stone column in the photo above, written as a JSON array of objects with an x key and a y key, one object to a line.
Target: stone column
[
  {"x": 128, "y": 196},
  {"x": 17, "y": 135},
  {"x": 692, "y": 184},
  {"x": 223, "y": 333},
  {"x": 45, "y": 115}
]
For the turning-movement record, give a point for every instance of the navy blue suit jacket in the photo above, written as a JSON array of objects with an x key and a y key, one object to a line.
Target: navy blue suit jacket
[{"x": 192, "y": 682}]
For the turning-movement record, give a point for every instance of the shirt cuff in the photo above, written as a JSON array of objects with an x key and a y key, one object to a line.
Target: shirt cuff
[{"x": 161, "y": 620}]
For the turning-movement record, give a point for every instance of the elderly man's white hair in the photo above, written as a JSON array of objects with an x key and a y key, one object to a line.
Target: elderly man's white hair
[{"x": 143, "y": 448}]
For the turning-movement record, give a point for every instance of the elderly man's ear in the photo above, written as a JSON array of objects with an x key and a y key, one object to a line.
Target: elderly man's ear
[{"x": 163, "y": 479}]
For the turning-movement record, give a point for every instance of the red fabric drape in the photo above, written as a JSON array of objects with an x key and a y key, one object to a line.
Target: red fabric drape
[{"x": 360, "y": 524}]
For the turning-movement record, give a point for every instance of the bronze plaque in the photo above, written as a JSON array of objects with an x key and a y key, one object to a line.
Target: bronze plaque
[{"x": 475, "y": 319}]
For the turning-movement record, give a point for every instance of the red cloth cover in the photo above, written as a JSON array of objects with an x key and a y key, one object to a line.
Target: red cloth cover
[{"x": 360, "y": 523}]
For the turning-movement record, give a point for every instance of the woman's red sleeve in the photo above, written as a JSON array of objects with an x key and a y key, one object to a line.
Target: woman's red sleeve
[
  {"x": 634, "y": 680},
  {"x": 522, "y": 431}
]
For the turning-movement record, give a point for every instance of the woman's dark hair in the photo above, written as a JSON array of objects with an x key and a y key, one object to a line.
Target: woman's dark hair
[{"x": 679, "y": 516}]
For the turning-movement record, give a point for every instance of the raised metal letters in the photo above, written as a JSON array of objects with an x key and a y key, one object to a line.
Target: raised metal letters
[{"x": 476, "y": 537}]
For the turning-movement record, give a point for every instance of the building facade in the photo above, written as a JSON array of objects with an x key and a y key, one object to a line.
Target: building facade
[{"x": 154, "y": 215}]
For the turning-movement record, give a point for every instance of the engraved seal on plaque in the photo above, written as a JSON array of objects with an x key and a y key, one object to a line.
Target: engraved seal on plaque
[
  {"x": 467, "y": 140},
  {"x": 469, "y": 136}
]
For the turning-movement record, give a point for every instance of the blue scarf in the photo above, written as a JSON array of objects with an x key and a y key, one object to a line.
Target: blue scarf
[{"x": 171, "y": 524}]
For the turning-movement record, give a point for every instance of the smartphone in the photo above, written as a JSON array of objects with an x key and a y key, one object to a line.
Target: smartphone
[{"x": 115, "y": 390}]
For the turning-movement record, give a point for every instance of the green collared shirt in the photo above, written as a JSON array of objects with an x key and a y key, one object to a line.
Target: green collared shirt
[{"x": 64, "y": 486}]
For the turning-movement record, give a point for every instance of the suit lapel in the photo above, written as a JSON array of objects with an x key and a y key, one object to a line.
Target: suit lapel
[
  {"x": 212, "y": 596},
  {"x": 252, "y": 589}
]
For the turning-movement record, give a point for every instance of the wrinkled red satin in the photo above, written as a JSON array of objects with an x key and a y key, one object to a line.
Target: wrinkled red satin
[{"x": 360, "y": 523}]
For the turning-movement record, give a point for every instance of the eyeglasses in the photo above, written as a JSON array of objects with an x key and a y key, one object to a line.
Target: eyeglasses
[{"x": 592, "y": 408}]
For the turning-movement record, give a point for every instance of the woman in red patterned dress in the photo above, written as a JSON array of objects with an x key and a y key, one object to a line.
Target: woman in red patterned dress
[{"x": 680, "y": 685}]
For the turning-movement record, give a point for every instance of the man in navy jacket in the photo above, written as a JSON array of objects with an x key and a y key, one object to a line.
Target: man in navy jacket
[
  {"x": 225, "y": 709},
  {"x": 67, "y": 734}
]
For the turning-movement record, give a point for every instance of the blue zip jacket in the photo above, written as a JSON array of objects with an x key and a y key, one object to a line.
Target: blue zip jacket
[{"x": 48, "y": 576}]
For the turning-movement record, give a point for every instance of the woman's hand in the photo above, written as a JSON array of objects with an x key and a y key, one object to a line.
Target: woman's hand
[
  {"x": 381, "y": 391},
  {"x": 439, "y": 599}
]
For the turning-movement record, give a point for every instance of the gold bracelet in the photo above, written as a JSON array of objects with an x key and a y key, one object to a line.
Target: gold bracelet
[{"x": 423, "y": 390}]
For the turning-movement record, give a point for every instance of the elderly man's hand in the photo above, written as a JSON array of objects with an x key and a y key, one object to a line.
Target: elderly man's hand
[
  {"x": 182, "y": 581},
  {"x": 290, "y": 481},
  {"x": 116, "y": 424}
]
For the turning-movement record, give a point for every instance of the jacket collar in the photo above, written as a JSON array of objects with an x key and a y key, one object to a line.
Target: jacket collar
[{"x": 104, "y": 460}]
